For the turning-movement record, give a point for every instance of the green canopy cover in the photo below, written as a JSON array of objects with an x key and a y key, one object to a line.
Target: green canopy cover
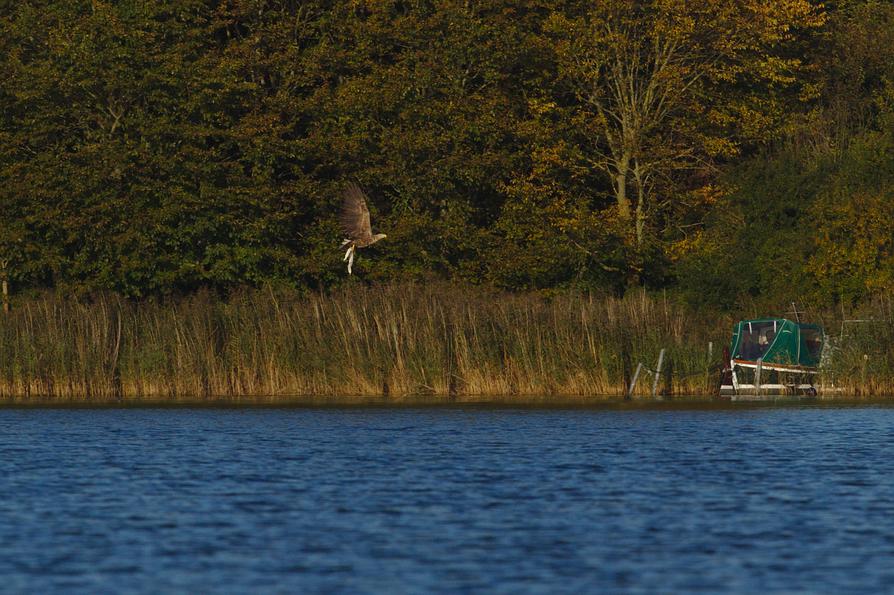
[{"x": 777, "y": 341}]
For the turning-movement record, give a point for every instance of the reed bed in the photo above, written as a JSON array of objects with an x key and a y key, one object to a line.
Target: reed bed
[
  {"x": 859, "y": 356},
  {"x": 398, "y": 341}
]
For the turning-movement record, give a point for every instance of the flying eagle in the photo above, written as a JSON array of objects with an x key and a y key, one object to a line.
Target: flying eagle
[{"x": 354, "y": 221}]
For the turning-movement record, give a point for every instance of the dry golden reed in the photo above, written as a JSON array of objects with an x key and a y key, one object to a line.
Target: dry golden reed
[
  {"x": 398, "y": 342},
  {"x": 392, "y": 341}
]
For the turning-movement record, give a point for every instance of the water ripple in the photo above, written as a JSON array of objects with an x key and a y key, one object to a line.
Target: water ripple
[{"x": 391, "y": 501}]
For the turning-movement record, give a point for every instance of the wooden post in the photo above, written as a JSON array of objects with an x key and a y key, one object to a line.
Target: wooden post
[
  {"x": 639, "y": 367},
  {"x": 451, "y": 361},
  {"x": 668, "y": 389},
  {"x": 657, "y": 373},
  {"x": 863, "y": 374},
  {"x": 625, "y": 359}
]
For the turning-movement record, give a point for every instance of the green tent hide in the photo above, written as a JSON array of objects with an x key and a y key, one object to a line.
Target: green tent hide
[{"x": 777, "y": 341}]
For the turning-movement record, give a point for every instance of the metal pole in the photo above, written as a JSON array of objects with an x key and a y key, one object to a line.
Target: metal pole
[
  {"x": 639, "y": 367},
  {"x": 757, "y": 376},
  {"x": 657, "y": 373}
]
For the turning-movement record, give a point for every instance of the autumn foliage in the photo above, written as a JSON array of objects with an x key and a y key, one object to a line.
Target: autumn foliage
[{"x": 151, "y": 148}]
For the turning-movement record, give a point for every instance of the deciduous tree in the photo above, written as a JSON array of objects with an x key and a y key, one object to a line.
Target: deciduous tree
[{"x": 664, "y": 84}]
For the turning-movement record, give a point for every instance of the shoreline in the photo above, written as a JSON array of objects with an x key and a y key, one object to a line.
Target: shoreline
[{"x": 598, "y": 402}]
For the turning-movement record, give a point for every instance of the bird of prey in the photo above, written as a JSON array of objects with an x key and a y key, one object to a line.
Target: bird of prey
[{"x": 354, "y": 221}]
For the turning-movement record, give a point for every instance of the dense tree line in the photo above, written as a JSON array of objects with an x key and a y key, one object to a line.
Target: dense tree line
[{"x": 725, "y": 147}]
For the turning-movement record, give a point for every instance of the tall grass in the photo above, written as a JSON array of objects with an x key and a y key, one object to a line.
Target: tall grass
[
  {"x": 395, "y": 341},
  {"x": 443, "y": 341}
]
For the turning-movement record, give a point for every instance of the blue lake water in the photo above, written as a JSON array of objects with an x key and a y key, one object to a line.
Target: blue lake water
[{"x": 734, "y": 499}]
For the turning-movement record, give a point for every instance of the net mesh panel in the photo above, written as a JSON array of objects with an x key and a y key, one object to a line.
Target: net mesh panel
[{"x": 811, "y": 345}]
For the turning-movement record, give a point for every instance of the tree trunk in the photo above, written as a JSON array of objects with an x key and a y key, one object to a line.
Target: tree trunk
[
  {"x": 623, "y": 172},
  {"x": 641, "y": 193}
]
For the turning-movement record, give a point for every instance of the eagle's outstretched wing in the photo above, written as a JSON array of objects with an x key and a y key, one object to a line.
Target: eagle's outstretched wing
[{"x": 354, "y": 216}]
